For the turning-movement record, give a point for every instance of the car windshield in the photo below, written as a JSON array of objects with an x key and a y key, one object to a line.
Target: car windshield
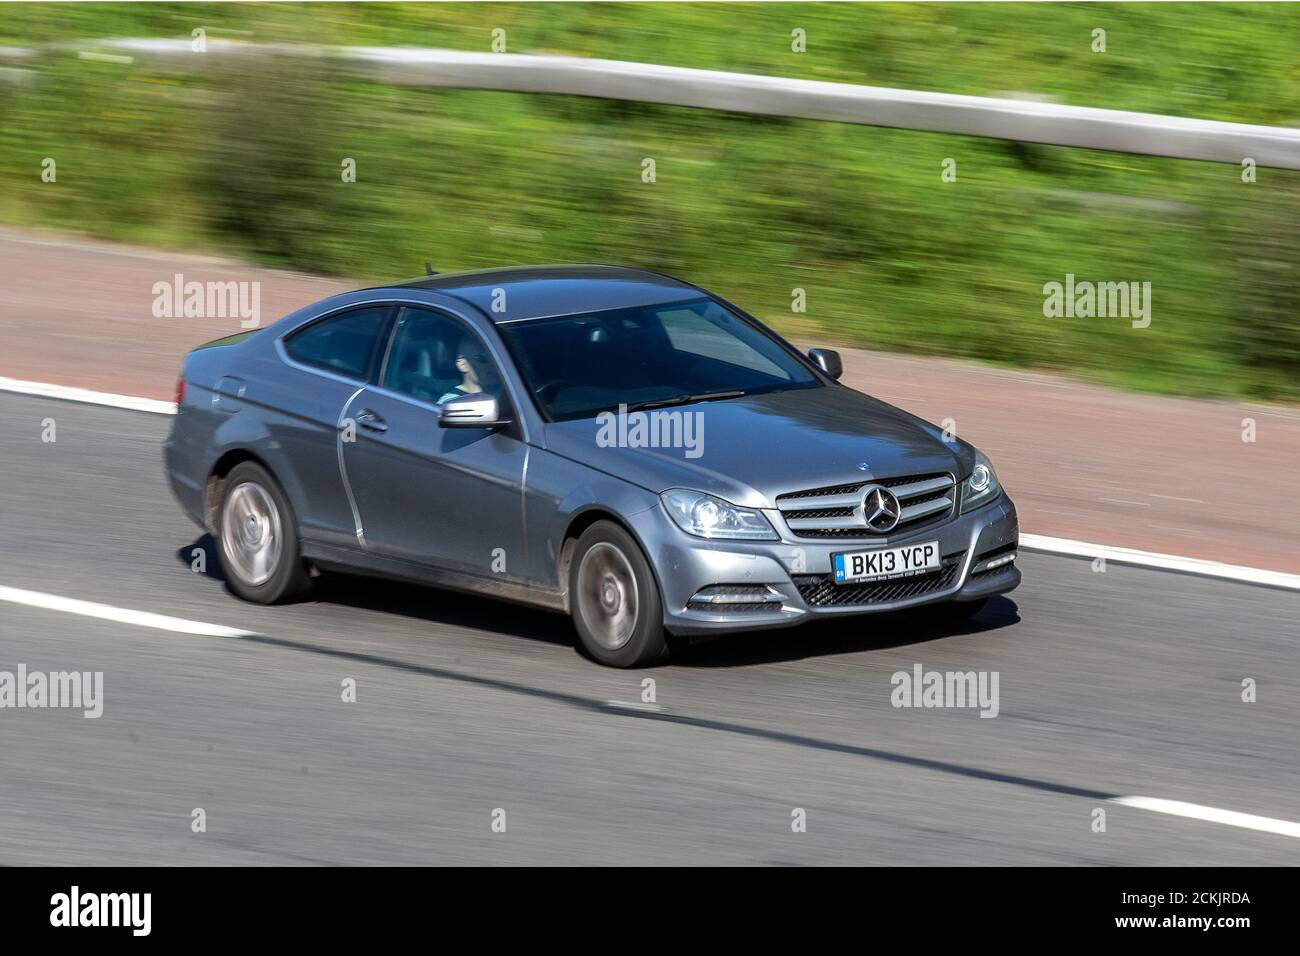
[{"x": 580, "y": 365}]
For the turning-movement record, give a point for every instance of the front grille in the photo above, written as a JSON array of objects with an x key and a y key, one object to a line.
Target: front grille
[
  {"x": 836, "y": 511},
  {"x": 820, "y": 590}
]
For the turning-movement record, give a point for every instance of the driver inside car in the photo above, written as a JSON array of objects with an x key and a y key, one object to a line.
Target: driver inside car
[{"x": 475, "y": 372}]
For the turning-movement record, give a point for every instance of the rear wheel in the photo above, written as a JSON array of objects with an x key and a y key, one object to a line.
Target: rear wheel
[
  {"x": 614, "y": 599},
  {"x": 258, "y": 538}
]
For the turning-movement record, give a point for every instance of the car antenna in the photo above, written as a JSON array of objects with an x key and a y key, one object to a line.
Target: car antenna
[{"x": 428, "y": 269}]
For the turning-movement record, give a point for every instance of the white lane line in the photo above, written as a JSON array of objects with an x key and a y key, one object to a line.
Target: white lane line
[
  {"x": 1195, "y": 811},
  {"x": 71, "y": 394},
  {"x": 1164, "y": 562},
  {"x": 107, "y": 612},
  {"x": 1034, "y": 542},
  {"x": 162, "y": 622}
]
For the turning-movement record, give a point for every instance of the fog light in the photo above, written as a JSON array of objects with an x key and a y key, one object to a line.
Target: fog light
[
  {"x": 993, "y": 563},
  {"x": 722, "y": 596}
]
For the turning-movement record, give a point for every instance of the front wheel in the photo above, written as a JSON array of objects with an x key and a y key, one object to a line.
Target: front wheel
[
  {"x": 258, "y": 538},
  {"x": 615, "y": 600}
]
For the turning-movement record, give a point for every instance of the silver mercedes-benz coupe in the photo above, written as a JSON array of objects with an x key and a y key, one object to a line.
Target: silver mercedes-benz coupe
[{"x": 612, "y": 443}]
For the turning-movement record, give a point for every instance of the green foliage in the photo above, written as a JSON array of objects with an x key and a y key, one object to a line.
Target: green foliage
[
  {"x": 244, "y": 156},
  {"x": 1268, "y": 335}
]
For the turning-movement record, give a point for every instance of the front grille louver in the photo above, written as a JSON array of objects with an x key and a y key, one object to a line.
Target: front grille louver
[{"x": 834, "y": 512}]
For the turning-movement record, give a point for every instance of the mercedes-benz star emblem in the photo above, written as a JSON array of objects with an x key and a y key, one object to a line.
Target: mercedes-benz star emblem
[{"x": 880, "y": 509}]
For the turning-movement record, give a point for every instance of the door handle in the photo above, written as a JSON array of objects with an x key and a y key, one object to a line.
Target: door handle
[{"x": 371, "y": 421}]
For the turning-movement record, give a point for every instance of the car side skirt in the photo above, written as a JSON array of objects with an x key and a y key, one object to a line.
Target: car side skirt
[{"x": 349, "y": 561}]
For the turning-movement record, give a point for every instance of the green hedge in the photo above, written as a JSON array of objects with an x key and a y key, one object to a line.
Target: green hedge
[{"x": 246, "y": 159}]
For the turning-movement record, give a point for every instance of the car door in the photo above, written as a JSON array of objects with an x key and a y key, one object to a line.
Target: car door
[
  {"x": 446, "y": 498},
  {"x": 321, "y": 366}
]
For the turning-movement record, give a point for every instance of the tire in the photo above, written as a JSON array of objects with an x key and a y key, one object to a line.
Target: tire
[
  {"x": 614, "y": 599},
  {"x": 257, "y": 537}
]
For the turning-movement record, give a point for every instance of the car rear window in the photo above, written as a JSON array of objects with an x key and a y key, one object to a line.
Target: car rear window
[{"x": 344, "y": 343}]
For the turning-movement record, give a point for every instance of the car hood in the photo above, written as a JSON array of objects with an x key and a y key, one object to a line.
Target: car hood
[{"x": 750, "y": 449}]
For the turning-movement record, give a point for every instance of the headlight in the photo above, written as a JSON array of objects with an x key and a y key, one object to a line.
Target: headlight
[
  {"x": 709, "y": 517},
  {"x": 982, "y": 485}
]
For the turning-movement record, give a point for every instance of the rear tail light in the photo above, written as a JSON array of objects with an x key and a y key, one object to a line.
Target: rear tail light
[{"x": 180, "y": 390}]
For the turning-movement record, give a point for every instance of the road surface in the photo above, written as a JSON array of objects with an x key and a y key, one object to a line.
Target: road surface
[{"x": 1127, "y": 682}]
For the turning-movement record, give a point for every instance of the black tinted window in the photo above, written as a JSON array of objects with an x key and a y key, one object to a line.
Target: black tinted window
[
  {"x": 344, "y": 344},
  {"x": 579, "y": 365}
]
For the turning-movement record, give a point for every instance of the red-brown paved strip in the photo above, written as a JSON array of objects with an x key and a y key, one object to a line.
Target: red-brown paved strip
[
  {"x": 77, "y": 312},
  {"x": 1137, "y": 471}
]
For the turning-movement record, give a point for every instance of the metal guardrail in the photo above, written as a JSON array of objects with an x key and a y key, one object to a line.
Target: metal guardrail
[{"x": 1011, "y": 119}]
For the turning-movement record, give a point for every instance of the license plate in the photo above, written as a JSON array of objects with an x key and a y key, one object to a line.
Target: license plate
[{"x": 901, "y": 562}]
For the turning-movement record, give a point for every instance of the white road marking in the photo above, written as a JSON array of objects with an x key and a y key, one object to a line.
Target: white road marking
[
  {"x": 68, "y": 393},
  {"x": 54, "y": 602},
  {"x": 107, "y": 612},
  {"x": 1196, "y": 811},
  {"x": 1194, "y": 501},
  {"x": 1163, "y": 562},
  {"x": 1033, "y": 542}
]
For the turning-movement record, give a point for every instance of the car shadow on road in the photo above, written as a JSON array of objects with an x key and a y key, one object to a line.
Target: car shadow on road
[
  {"x": 419, "y": 601},
  {"x": 440, "y": 606},
  {"x": 203, "y": 549},
  {"x": 848, "y": 635}
]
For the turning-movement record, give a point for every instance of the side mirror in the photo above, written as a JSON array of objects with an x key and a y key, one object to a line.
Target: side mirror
[
  {"x": 828, "y": 360},
  {"x": 474, "y": 410}
]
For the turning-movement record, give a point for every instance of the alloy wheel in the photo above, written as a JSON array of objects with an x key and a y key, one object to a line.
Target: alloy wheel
[
  {"x": 251, "y": 533},
  {"x": 607, "y": 595}
]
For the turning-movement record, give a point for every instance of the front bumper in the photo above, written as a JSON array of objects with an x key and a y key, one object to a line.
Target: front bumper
[{"x": 792, "y": 579}]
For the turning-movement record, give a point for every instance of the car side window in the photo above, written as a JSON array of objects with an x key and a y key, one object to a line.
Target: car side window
[
  {"x": 435, "y": 358},
  {"x": 344, "y": 343}
]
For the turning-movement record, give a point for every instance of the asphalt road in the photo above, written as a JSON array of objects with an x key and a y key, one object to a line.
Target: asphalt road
[{"x": 1115, "y": 683}]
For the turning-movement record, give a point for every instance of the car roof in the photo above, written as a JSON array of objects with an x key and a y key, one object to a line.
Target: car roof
[{"x": 534, "y": 292}]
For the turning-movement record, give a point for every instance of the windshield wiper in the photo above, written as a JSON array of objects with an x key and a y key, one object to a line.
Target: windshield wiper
[{"x": 685, "y": 399}]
